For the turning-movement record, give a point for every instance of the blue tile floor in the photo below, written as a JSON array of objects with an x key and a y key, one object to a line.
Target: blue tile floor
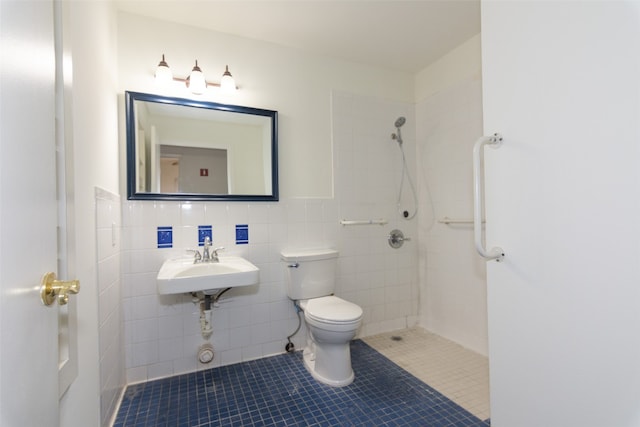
[{"x": 278, "y": 391}]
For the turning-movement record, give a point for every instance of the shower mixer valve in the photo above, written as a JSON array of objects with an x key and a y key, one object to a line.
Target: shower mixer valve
[{"x": 397, "y": 239}]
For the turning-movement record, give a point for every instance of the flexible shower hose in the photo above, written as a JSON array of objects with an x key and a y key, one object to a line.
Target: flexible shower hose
[{"x": 405, "y": 171}]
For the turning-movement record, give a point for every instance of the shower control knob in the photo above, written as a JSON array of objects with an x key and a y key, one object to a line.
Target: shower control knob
[{"x": 396, "y": 239}]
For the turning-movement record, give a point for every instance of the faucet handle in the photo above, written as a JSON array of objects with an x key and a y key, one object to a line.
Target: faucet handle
[
  {"x": 215, "y": 251},
  {"x": 196, "y": 255}
]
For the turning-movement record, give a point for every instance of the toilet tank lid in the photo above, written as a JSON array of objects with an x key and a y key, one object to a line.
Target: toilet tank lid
[{"x": 308, "y": 254}]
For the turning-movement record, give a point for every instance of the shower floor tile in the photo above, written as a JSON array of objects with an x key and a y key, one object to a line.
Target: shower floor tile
[
  {"x": 458, "y": 373},
  {"x": 278, "y": 391}
]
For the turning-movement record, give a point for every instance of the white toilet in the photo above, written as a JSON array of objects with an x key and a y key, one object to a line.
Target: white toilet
[{"x": 331, "y": 321}]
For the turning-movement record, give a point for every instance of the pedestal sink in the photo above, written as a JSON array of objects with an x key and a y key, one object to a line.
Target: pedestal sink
[{"x": 183, "y": 275}]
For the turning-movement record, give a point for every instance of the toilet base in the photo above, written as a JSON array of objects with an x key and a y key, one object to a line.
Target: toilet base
[{"x": 309, "y": 359}]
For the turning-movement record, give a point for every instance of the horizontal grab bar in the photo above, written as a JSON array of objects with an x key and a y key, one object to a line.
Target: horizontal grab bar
[
  {"x": 364, "y": 222},
  {"x": 447, "y": 220}
]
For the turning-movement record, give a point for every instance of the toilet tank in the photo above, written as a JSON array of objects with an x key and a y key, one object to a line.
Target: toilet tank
[{"x": 310, "y": 273}]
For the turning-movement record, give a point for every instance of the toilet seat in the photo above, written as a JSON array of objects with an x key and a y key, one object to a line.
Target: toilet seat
[{"x": 332, "y": 310}]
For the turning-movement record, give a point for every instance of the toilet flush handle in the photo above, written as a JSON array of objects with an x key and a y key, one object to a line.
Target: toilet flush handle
[{"x": 294, "y": 265}]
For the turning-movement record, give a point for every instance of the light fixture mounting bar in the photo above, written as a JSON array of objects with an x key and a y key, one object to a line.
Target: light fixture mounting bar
[{"x": 178, "y": 79}]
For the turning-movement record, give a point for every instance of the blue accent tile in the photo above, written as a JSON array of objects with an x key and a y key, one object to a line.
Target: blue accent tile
[
  {"x": 204, "y": 231},
  {"x": 242, "y": 234},
  {"x": 165, "y": 237},
  {"x": 278, "y": 391}
]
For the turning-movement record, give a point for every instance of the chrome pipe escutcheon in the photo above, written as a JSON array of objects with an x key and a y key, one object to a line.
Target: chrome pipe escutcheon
[{"x": 396, "y": 239}]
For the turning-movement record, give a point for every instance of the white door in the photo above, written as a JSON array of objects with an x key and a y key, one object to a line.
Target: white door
[
  {"x": 28, "y": 215},
  {"x": 561, "y": 82}
]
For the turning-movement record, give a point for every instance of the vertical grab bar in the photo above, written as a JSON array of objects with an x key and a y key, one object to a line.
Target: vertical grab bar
[{"x": 493, "y": 141}]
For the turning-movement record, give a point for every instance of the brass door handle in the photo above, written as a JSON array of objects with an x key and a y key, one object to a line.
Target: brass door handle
[{"x": 52, "y": 289}]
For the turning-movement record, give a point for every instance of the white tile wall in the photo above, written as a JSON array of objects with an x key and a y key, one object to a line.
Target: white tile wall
[
  {"x": 452, "y": 275},
  {"x": 162, "y": 333},
  {"x": 109, "y": 250}
]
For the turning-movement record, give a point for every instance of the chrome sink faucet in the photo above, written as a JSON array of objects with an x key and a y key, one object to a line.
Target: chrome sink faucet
[
  {"x": 206, "y": 256},
  {"x": 210, "y": 255}
]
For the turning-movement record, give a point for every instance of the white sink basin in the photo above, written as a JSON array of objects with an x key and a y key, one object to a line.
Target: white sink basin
[{"x": 181, "y": 275}]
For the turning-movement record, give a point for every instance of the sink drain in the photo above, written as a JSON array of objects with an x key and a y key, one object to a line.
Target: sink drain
[{"x": 396, "y": 338}]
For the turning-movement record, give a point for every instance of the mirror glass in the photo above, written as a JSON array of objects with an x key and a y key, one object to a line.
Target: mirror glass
[{"x": 181, "y": 149}]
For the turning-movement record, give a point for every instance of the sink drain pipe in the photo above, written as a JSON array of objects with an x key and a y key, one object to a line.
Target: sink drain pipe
[
  {"x": 205, "y": 317},
  {"x": 207, "y": 301},
  {"x": 290, "y": 348}
]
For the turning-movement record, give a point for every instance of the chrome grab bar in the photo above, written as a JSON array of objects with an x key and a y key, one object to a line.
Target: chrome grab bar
[
  {"x": 447, "y": 220},
  {"x": 494, "y": 141},
  {"x": 380, "y": 221}
]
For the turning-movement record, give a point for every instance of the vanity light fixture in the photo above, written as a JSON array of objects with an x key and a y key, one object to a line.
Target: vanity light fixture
[{"x": 196, "y": 81}]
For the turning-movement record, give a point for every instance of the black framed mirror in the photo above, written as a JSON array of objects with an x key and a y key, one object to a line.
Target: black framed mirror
[{"x": 184, "y": 149}]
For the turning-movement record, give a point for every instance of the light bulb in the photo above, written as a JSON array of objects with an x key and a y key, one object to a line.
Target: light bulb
[
  {"x": 227, "y": 83},
  {"x": 196, "y": 82},
  {"x": 163, "y": 73}
]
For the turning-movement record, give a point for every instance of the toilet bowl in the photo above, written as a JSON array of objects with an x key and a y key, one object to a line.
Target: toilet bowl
[{"x": 331, "y": 321}]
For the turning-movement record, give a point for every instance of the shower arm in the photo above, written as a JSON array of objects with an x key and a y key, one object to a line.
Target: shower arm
[{"x": 494, "y": 141}]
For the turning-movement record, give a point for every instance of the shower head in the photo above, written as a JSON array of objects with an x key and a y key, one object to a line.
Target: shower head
[{"x": 399, "y": 122}]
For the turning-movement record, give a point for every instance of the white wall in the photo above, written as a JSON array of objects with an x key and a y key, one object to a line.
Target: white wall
[
  {"x": 91, "y": 28},
  {"x": 368, "y": 168},
  {"x": 461, "y": 64},
  {"x": 561, "y": 84},
  {"x": 109, "y": 254},
  {"x": 449, "y": 120},
  {"x": 335, "y": 121}
]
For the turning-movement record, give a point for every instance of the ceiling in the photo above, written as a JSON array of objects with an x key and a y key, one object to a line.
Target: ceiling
[{"x": 394, "y": 34}]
